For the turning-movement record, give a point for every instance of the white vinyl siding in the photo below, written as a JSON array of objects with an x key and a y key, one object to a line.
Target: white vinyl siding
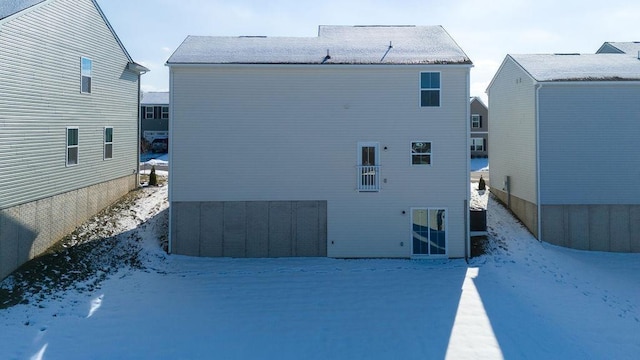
[
  {"x": 295, "y": 140},
  {"x": 513, "y": 131},
  {"x": 45, "y": 43},
  {"x": 588, "y": 126}
]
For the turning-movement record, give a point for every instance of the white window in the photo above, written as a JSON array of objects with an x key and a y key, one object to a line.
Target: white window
[
  {"x": 148, "y": 112},
  {"x": 86, "y": 67},
  {"x": 368, "y": 166},
  {"x": 421, "y": 153},
  {"x": 477, "y": 144},
  {"x": 72, "y": 146},
  {"x": 429, "y": 231},
  {"x": 476, "y": 121},
  {"x": 429, "y": 89},
  {"x": 165, "y": 112},
  {"x": 108, "y": 143}
]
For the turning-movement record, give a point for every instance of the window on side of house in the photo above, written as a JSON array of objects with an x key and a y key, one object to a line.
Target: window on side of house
[
  {"x": 477, "y": 144},
  {"x": 165, "y": 112},
  {"x": 476, "y": 121},
  {"x": 368, "y": 168},
  {"x": 420, "y": 153},
  {"x": 429, "y": 89},
  {"x": 86, "y": 68},
  {"x": 148, "y": 112},
  {"x": 72, "y": 146},
  {"x": 108, "y": 142}
]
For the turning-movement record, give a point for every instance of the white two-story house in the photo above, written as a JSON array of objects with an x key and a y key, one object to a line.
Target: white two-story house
[{"x": 353, "y": 143}]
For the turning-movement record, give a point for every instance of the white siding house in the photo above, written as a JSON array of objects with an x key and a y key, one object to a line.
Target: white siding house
[
  {"x": 564, "y": 147},
  {"x": 68, "y": 122},
  {"x": 350, "y": 144}
]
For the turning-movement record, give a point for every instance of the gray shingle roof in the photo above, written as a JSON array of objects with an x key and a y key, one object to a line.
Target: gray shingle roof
[
  {"x": 580, "y": 67},
  {"x": 10, "y": 7},
  {"x": 334, "y": 45},
  {"x": 155, "y": 98}
]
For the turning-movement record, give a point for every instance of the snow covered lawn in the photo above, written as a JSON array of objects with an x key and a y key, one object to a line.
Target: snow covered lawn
[{"x": 522, "y": 300}]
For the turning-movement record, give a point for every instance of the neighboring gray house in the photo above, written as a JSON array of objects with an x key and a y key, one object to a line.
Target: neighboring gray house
[
  {"x": 154, "y": 118},
  {"x": 349, "y": 144},
  {"x": 630, "y": 48},
  {"x": 564, "y": 139},
  {"x": 479, "y": 124},
  {"x": 68, "y": 122}
]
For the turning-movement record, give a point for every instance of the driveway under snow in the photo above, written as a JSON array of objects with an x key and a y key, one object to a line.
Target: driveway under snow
[{"x": 522, "y": 300}]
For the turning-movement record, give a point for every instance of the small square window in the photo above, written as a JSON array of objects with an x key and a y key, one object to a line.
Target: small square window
[
  {"x": 86, "y": 68},
  {"x": 148, "y": 112},
  {"x": 421, "y": 153},
  {"x": 72, "y": 146}
]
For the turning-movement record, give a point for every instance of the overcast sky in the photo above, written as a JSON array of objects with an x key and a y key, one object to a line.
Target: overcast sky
[{"x": 486, "y": 30}]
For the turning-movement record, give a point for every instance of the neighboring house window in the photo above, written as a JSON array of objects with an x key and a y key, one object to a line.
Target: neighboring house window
[
  {"x": 476, "y": 121},
  {"x": 165, "y": 112},
  {"x": 429, "y": 89},
  {"x": 477, "y": 144},
  {"x": 72, "y": 146},
  {"x": 108, "y": 143},
  {"x": 148, "y": 112},
  {"x": 368, "y": 166},
  {"x": 429, "y": 229},
  {"x": 421, "y": 153},
  {"x": 86, "y": 66}
]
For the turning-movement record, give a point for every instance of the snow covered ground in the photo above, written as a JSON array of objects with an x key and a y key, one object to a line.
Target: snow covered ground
[{"x": 522, "y": 300}]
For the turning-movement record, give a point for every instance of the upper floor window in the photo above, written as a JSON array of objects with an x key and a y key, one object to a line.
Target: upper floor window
[
  {"x": 108, "y": 143},
  {"x": 165, "y": 112},
  {"x": 420, "y": 153},
  {"x": 148, "y": 112},
  {"x": 477, "y": 144},
  {"x": 368, "y": 168},
  {"x": 72, "y": 146},
  {"x": 86, "y": 66},
  {"x": 476, "y": 121},
  {"x": 429, "y": 89}
]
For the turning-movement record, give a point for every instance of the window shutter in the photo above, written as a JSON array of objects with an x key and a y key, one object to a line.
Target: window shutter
[
  {"x": 480, "y": 120},
  {"x": 484, "y": 143}
]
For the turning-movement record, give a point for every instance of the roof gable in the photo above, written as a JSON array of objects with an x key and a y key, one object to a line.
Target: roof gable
[
  {"x": 334, "y": 45},
  {"x": 629, "y": 48},
  {"x": 11, "y": 7}
]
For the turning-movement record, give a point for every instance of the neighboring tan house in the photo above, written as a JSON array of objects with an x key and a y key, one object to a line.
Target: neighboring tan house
[
  {"x": 349, "y": 144},
  {"x": 479, "y": 128},
  {"x": 154, "y": 121},
  {"x": 68, "y": 122},
  {"x": 564, "y": 139}
]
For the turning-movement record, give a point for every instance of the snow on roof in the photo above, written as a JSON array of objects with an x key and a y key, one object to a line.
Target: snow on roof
[
  {"x": 334, "y": 45},
  {"x": 630, "y": 48},
  {"x": 10, "y": 7},
  {"x": 580, "y": 67},
  {"x": 153, "y": 98}
]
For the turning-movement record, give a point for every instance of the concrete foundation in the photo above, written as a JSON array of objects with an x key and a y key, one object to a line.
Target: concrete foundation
[
  {"x": 613, "y": 228},
  {"x": 249, "y": 228},
  {"x": 28, "y": 230},
  {"x": 527, "y": 212}
]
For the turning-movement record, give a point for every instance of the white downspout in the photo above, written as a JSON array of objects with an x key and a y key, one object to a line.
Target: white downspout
[
  {"x": 537, "y": 117},
  {"x": 468, "y": 171}
]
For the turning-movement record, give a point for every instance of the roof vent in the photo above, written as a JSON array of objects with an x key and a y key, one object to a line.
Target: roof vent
[
  {"x": 566, "y": 54},
  {"x": 254, "y": 36}
]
